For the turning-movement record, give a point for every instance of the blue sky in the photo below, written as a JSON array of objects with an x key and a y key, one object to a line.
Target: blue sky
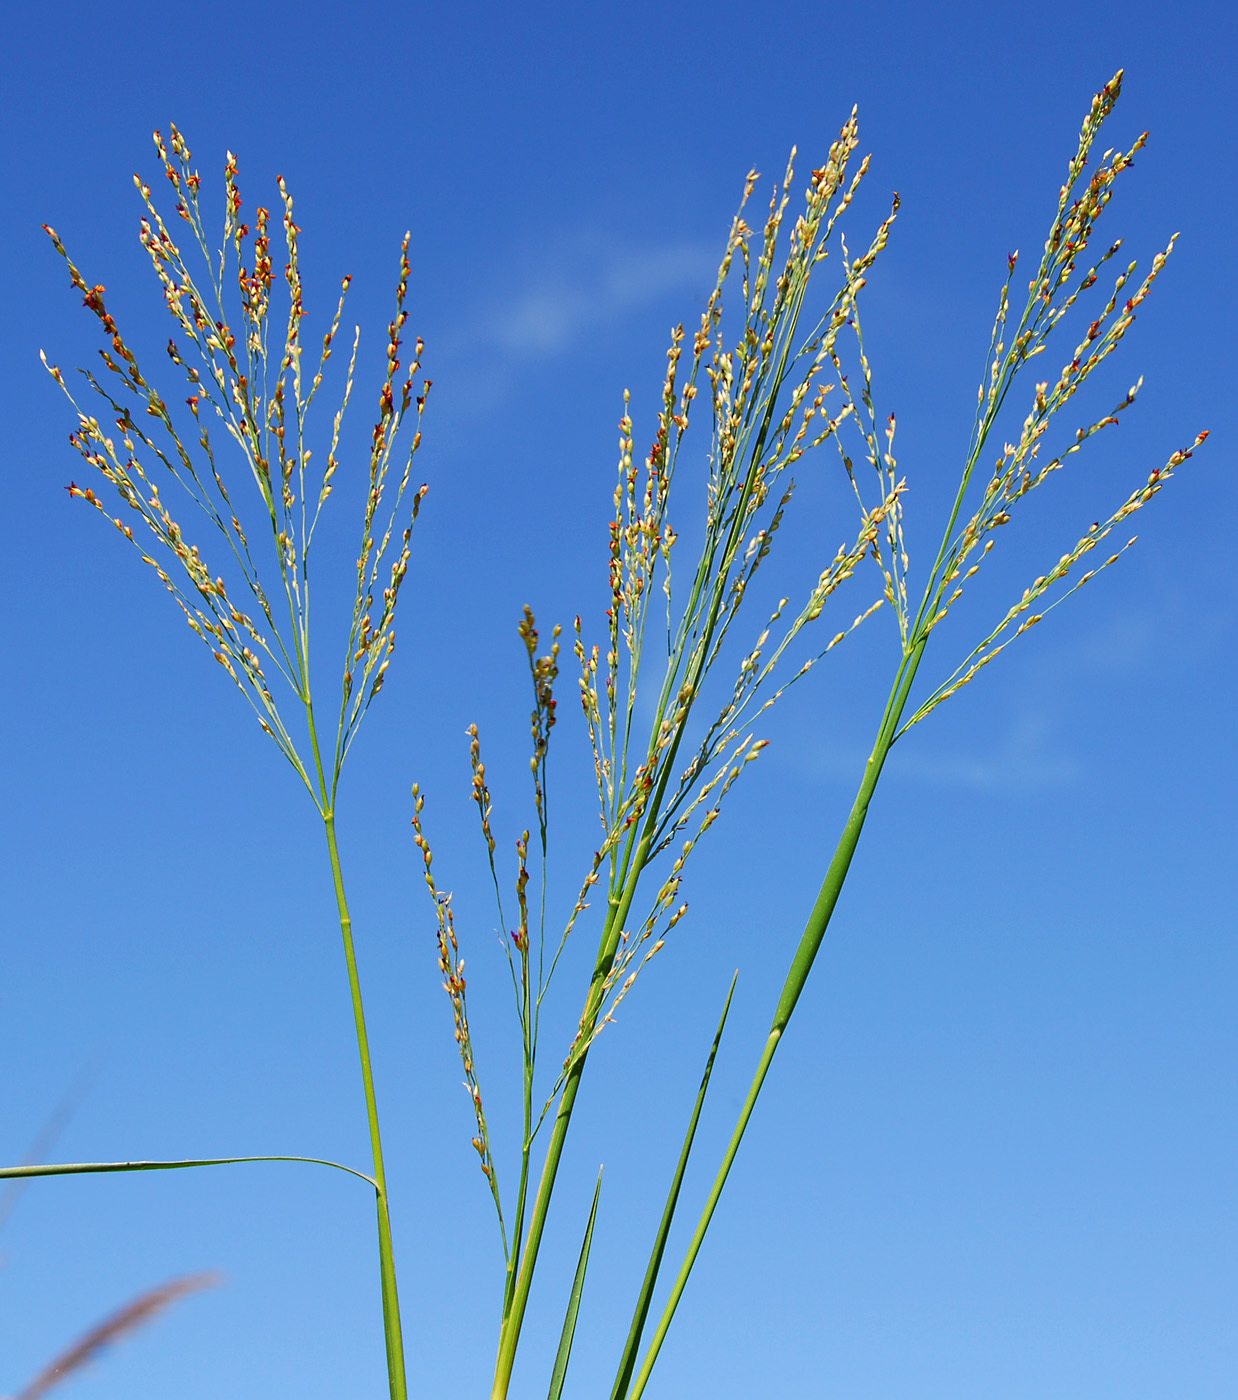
[{"x": 998, "y": 1153}]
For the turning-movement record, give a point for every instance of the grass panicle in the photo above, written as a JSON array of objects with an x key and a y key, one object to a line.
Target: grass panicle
[{"x": 253, "y": 390}]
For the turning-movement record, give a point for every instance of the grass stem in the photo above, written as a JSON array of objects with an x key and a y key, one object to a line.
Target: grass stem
[
  {"x": 391, "y": 1301},
  {"x": 509, "y": 1333},
  {"x": 797, "y": 976}
]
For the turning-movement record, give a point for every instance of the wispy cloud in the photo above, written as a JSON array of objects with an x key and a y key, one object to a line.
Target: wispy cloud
[
  {"x": 1028, "y": 750},
  {"x": 1026, "y": 758},
  {"x": 581, "y": 285}
]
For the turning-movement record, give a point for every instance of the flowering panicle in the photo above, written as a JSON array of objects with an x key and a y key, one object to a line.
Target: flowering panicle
[
  {"x": 238, "y": 377},
  {"x": 1053, "y": 291},
  {"x": 769, "y": 399}
]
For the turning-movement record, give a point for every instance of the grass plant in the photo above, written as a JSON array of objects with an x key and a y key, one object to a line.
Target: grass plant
[{"x": 671, "y": 697}]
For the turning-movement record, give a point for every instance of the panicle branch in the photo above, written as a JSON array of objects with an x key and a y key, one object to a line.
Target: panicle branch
[
  {"x": 451, "y": 965},
  {"x": 1022, "y": 614}
]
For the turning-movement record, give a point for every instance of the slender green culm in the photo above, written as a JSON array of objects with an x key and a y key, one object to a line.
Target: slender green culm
[{"x": 392, "y": 1331}]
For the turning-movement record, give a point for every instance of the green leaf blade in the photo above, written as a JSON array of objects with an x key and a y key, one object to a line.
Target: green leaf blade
[
  {"x": 627, "y": 1363},
  {"x": 558, "y": 1375}
]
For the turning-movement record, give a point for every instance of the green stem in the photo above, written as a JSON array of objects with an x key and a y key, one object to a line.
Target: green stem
[
  {"x": 630, "y": 869},
  {"x": 386, "y": 1257},
  {"x": 509, "y": 1333},
  {"x": 797, "y": 976},
  {"x": 526, "y": 1141}
]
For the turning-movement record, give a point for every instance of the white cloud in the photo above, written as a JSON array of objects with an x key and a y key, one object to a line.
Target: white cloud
[
  {"x": 1024, "y": 762},
  {"x": 1027, "y": 758},
  {"x": 588, "y": 283}
]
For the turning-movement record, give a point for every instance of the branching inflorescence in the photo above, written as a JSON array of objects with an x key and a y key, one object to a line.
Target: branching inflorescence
[
  {"x": 661, "y": 781},
  {"x": 260, "y": 397}
]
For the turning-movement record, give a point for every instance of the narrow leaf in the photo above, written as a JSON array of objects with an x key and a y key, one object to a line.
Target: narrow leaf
[
  {"x": 573, "y": 1303},
  {"x": 628, "y": 1361},
  {"x": 90, "y": 1168}
]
